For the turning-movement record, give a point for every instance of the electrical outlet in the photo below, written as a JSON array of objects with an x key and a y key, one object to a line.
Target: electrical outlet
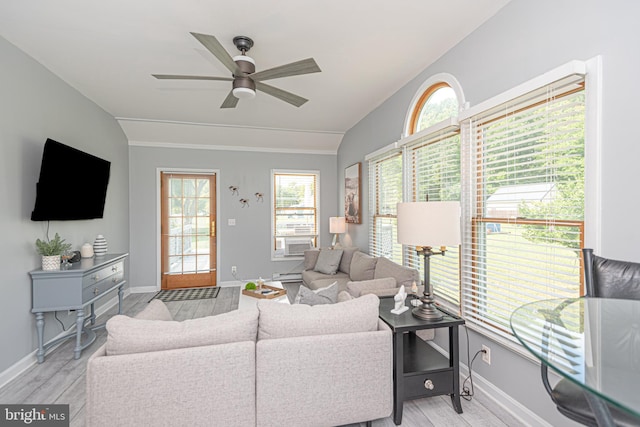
[
  {"x": 234, "y": 270},
  {"x": 486, "y": 355}
]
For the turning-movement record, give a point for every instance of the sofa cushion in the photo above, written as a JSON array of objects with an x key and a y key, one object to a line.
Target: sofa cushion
[
  {"x": 310, "y": 258},
  {"x": 403, "y": 275},
  {"x": 155, "y": 310},
  {"x": 283, "y": 320},
  {"x": 128, "y": 335},
  {"x": 309, "y": 277},
  {"x": 323, "y": 283},
  {"x": 366, "y": 286},
  {"x": 328, "y": 261},
  {"x": 326, "y": 295},
  {"x": 363, "y": 267},
  {"x": 347, "y": 256}
]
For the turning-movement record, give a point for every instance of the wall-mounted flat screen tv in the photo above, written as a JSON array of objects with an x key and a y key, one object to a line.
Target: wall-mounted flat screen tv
[{"x": 72, "y": 185}]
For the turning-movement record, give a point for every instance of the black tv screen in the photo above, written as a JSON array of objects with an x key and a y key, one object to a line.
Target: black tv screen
[{"x": 72, "y": 185}]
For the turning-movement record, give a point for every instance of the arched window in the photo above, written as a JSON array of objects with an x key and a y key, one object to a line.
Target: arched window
[{"x": 437, "y": 103}]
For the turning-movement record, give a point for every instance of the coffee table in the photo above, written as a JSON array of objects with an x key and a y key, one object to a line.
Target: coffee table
[{"x": 249, "y": 302}]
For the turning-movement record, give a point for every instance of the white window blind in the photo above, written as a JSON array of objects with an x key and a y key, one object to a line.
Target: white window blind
[
  {"x": 524, "y": 223},
  {"x": 433, "y": 165},
  {"x": 385, "y": 189}
]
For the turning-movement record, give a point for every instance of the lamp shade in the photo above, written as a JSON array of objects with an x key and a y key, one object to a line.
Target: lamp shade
[
  {"x": 337, "y": 225},
  {"x": 429, "y": 223}
]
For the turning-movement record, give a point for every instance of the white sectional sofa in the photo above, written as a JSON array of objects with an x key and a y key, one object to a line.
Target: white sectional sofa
[{"x": 276, "y": 365}]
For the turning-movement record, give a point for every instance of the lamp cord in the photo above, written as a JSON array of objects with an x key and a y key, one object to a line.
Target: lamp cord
[{"x": 468, "y": 392}]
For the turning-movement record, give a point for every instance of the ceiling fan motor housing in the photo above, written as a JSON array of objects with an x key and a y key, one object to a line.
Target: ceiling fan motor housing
[{"x": 243, "y": 86}]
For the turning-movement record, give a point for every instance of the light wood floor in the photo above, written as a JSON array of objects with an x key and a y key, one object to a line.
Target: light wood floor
[{"x": 61, "y": 379}]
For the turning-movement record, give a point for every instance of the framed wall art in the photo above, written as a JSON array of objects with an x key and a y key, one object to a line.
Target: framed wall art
[{"x": 352, "y": 194}]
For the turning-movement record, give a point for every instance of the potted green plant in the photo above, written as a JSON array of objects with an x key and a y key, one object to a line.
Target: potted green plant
[{"x": 51, "y": 250}]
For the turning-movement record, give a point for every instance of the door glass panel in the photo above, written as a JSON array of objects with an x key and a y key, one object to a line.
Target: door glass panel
[
  {"x": 203, "y": 188},
  {"x": 176, "y": 187},
  {"x": 189, "y": 263},
  {"x": 176, "y": 207},
  {"x": 202, "y": 225},
  {"x": 175, "y": 226},
  {"x": 175, "y": 245},
  {"x": 203, "y": 262},
  {"x": 203, "y": 246},
  {"x": 189, "y": 187},
  {"x": 203, "y": 206},
  {"x": 189, "y": 206},
  {"x": 175, "y": 264}
]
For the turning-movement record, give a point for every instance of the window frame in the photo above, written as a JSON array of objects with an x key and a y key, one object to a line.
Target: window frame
[{"x": 314, "y": 235}]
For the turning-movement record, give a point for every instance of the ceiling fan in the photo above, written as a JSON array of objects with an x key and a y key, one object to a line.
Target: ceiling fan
[{"x": 243, "y": 71}]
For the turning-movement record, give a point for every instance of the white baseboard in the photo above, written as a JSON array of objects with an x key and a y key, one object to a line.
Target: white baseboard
[
  {"x": 30, "y": 359},
  {"x": 488, "y": 389},
  {"x": 144, "y": 289}
]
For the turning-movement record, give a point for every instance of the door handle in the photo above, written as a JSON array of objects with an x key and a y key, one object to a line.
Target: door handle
[{"x": 213, "y": 229}]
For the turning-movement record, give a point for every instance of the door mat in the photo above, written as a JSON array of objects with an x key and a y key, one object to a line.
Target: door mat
[{"x": 169, "y": 295}]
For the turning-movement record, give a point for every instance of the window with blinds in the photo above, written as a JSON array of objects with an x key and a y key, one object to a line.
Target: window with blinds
[
  {"x": 295, "y": 213},
  {"x": 433, "y": 163},
  {"x": 385, "y": 178},
  {"x": 525, "y": 223}
]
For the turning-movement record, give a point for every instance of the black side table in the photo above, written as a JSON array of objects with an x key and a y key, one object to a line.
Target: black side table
[{"x": 418, "y": 369}]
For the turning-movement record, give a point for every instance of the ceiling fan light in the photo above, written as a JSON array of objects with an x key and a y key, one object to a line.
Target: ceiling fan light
[
  {"x": 244, "y": 58},
  {"x": 243, "y": 92}
]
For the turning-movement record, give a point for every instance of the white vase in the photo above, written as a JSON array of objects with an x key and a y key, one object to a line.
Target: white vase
[
  {"x": 86, "y": 251},
  {"x": 100, "y": 245},
  {"x": 51, "y": 262}
]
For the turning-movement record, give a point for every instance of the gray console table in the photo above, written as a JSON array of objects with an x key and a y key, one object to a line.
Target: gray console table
[{"x": 75, "y": 288}]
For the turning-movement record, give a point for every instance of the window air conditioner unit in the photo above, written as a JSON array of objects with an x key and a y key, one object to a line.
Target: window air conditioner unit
[{"x": 296, "y": 247}]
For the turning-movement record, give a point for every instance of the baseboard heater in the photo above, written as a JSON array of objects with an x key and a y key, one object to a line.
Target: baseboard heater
[{"x": 287, "y": 277}]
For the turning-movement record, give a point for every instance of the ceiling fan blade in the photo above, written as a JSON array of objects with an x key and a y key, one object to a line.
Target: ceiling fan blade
[
  {"x": 281, "y": 94},
  {"x": 305, "y": 66},
  {"x": 213, "y": 45},
  {"x": 181, "y": 77},
  {"x": 230, "y": 101}
]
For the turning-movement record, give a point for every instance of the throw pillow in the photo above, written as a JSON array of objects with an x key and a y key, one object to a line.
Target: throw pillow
[
  {"x": 155, "y": 310},
  {"x": 363, "y": 267},
  {"x": 403, "y": 275},
  {"x": 284, "y": 321},
  {"x": 310, "y": 258},
  {"x": 347, "y": 256},
  {"x": 326, "y": 295},
  {"x": 361, "y": 288},
  {"x": 344, "y": 296},
  {"x": 328, "y": 261},
  {"x": 127, "y": 335}
]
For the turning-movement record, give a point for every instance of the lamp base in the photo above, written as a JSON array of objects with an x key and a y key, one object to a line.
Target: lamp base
[{"x": 427, "y": 311}]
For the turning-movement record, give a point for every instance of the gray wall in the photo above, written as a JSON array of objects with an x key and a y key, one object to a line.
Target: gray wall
[
  {"x": 245, "y": 245},
  {"x": 36, "y": 105},
  {"x": 524, "y": 40}
]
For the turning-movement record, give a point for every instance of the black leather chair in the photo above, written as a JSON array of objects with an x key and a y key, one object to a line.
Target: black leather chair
[{"x": 604, "y": 278}]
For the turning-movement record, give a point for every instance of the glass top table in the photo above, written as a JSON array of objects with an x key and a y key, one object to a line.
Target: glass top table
[{"x": 594, "y": 342}]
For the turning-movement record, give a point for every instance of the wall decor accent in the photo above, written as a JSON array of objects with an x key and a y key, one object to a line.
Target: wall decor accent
[
  {"x": 234, "y": 190},
  {"x": 352, "y": 194},
  {"x": 259, "y": 197},
  {"x": 244, "y": 202}
]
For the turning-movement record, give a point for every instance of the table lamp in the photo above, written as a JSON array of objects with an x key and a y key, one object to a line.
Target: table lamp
[
  {"x": 425, "y": 225},
  {"x": 337, "y": 225}
]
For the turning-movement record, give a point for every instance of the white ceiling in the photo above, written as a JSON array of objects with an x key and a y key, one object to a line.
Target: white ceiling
[{"x": 367, "y": 50}]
